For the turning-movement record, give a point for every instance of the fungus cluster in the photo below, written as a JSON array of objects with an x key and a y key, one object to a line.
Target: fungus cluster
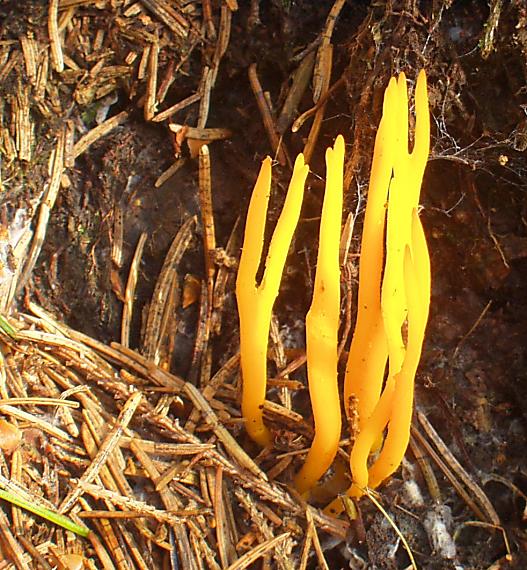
[{"x": 394, "y": 296}]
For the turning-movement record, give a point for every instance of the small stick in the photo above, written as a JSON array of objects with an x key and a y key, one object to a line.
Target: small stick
[
  {"x": 143, "y": 64},
  {"x": 23, "y": 125},
  {"x": 426, "y": 470},
  {"x": 319, "y": 78},
  {"x": 109, "y": 443},
  {"x": 280, "y": 360},
  {"x": 168, "y": 449},
  {"x": 169, "y": 172},
  {"x": 207, "y": 220},
  {"x": 283, "y": 414},
  {"x": 219, "y": 515},
  {"x": 201, "y": 340},
  {"x": 38, "y": 402},
  {"x": 257, "y": 552},
  {"x": 490, "y": 512},
  {"x": 112, "y": 515},
  {"x": 183, "y": 104},
  {"x": 127, "y": 503},
  {"x": 207, "y": 79},
  {"x": 162, "y": 299},
  {"x": 207, "y": 17},
  {"x": 224, "y": 36},
  {"x": 129, "y": 293},
  {"x": 325, "y": 72},
  {"x": 151, "y": 85},
  {"x": 299, "y": 85},
  {"x": 316, "y": 542},
  {"x": 98, "y": 132},
  {"x": 168, "y": 78},
  {"x": 30, "y": 58},
  {"x": 16, "y": 476},
  {"x": 210, "y": 74},
  {"x": 460, "y": 490},
  {"x": 117, "y": 237},
  {"x": 267, "y": 117},
  {"x": 57, "y": 59},
  {"x": 306, "y": 548}
]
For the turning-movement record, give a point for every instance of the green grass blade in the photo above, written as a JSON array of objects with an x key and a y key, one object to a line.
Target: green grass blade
[
  {"x": 7, "y": 328},
  {"x": 47, "y": 514}
]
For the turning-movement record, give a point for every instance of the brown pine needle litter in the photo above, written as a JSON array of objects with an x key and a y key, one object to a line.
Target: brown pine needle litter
[{"x": 130, "y": 137}]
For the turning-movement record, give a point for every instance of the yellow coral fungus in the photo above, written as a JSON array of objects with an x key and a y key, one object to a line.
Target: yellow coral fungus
[
  {"x": 368, "y": 352},
  {"x": 403, "y": 267},
  {"x": 394, "y": 293},
  {"x": 255, "y": 303},
  {"x": 403, "y": 298},
  {"x": 322, "y": 325}
]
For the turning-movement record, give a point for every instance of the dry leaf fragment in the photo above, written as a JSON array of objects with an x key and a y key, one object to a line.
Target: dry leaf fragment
[
  {"x": 72, "y": 561},
  {"x": 10, "y": 436}
]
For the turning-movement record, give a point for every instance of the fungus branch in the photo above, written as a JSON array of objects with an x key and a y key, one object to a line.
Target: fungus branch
[
  {"x": 322, "y": 325},
  {"x": 255, "y": 303}
]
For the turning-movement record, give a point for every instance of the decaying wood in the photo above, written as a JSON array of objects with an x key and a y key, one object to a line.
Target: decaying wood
[
  {"x": 299, "y": 84},
  {"x": 323, "y": 62}
]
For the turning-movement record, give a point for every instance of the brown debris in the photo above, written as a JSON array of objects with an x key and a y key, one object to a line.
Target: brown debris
[
  {"x": 147, "y": 448},
  {"x": 98, "y": 132},
  {"x": 269, "y": 123}
]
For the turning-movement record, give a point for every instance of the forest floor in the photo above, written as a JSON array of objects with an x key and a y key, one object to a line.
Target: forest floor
[{"x": 120, "y": 343}]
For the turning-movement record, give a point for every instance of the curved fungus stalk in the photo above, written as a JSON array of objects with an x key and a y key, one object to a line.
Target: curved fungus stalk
[
  {"x": 417, "y": 285},
  {"x": 368, "y": 352},
  {"x": 255, "y": 302},
  {"x": 322, "y": 325},
  {"x": 414, "y": 280}
]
